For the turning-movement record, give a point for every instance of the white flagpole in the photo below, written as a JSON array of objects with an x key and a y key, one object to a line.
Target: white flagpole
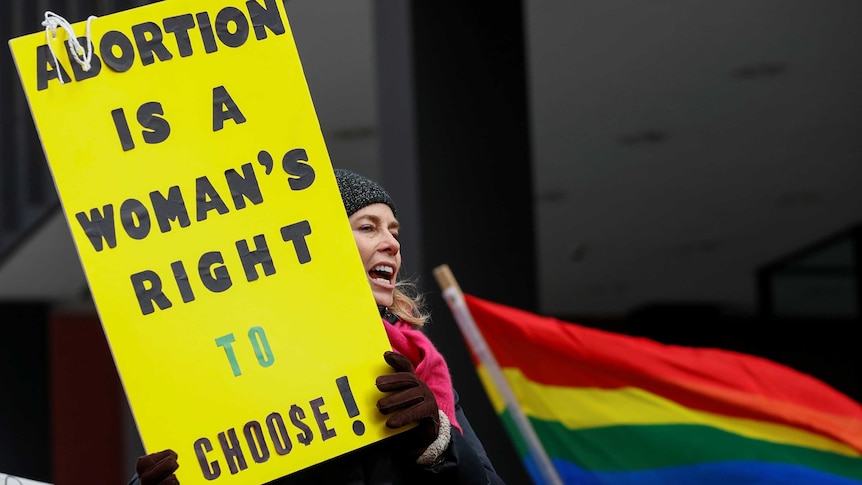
[{"x": 458, "y": 306}]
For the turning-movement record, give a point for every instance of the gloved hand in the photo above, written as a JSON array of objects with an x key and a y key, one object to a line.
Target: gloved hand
[
  {"x": 158, "y": 468},
  {"x": 412, "y": 401}
]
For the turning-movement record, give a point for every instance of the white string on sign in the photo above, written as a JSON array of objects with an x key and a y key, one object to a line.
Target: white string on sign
[{"x": 77, "y": 53}]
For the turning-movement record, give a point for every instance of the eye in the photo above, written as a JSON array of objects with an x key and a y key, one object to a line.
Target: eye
[{"x": 396, "y": 236}]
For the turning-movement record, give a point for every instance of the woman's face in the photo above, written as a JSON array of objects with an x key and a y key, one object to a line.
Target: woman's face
[{"x": 376, "y": 232}]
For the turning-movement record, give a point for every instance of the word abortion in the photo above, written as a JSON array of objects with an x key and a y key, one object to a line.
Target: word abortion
[{"x": 231, "y": 27}]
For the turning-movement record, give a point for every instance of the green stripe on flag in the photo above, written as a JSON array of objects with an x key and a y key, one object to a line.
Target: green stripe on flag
[{"x": 630, "y": 448}]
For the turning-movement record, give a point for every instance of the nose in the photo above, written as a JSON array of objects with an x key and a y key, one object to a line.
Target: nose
[{"x": 389, "y": 244}]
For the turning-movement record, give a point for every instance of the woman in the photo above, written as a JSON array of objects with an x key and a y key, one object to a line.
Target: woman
[{"x": 442, "y": 448}]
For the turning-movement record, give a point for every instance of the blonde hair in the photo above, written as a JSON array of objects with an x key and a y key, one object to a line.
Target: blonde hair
[{"x": 407, "y": 303}]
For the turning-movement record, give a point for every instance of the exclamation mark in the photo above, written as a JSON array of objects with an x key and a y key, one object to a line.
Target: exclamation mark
[{"x": 350, "y": 404}]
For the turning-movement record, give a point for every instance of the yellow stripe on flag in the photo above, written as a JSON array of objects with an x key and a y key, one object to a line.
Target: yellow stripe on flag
[{"x": 579, "y": 408}]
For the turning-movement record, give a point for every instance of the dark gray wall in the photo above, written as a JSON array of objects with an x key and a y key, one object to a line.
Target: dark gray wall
[
  {"x": 456, "y": 156},
  {"x": 25, "y": 418}
]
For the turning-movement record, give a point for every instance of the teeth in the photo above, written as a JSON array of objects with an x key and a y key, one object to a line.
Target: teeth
[{"x": 379, "y": 272}]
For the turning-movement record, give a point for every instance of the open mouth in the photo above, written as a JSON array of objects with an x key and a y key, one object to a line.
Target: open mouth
[{"x": 382, "y": 273}]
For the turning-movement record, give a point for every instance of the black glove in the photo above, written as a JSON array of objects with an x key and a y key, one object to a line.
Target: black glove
[
  {"x": 412, "y": 401},
  {"x": 158, "y": 468}
]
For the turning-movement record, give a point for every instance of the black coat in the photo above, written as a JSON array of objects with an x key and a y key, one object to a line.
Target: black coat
[{"x": 383, "y": 464}]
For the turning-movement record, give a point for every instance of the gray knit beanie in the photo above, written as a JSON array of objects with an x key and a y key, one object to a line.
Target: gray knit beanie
[{"x": 358, "y": 191}]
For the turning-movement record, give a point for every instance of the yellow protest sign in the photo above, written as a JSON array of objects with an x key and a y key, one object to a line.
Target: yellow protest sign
[{"x": 201, "y": 198}]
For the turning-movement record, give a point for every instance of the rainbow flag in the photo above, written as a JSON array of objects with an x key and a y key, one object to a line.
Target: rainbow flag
[{"x": 613, "y": 409}]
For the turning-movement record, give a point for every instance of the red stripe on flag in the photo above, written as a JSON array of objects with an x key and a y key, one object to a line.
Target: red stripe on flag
[{"x": 552, "y": 352}]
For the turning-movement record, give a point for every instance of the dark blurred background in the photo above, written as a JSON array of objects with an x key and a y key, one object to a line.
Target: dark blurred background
[{"x": 684, "y": 171}]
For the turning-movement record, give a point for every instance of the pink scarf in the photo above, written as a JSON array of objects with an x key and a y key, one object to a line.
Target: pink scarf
[{"x": 430, "y": 366}]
